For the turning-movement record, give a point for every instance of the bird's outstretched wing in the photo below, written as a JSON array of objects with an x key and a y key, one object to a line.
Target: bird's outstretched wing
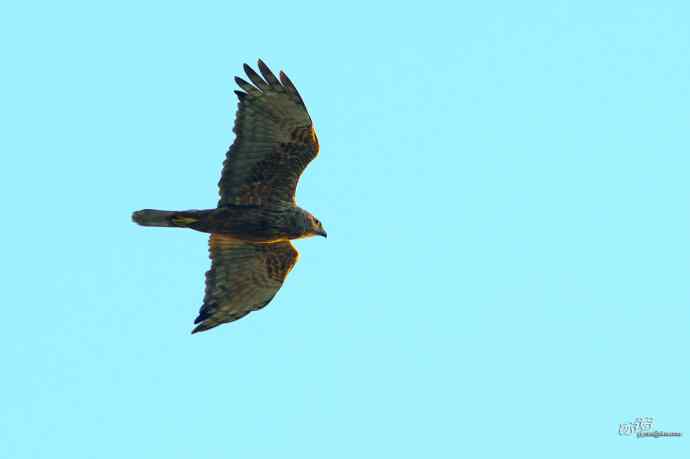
[
  {"x": 243, "y": 277},
  {"x": 275, "y": 142}
]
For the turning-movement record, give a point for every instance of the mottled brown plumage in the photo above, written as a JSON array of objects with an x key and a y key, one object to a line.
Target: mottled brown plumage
[
  {"x": 257, "y": 216},
  {"x": 276, "y": 138}
]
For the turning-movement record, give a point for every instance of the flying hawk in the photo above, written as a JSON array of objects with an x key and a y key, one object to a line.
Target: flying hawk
[{"x": 257, "y": 216}]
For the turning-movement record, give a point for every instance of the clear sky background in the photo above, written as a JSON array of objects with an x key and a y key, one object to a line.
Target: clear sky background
[{"x": 505, "y": 189}]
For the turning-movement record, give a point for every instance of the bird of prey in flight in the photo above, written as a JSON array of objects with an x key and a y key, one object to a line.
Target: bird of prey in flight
[{"x": 257, "y": 216}]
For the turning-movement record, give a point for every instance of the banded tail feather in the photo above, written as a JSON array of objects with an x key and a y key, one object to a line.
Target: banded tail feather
[{"x": 169, "y": 218}]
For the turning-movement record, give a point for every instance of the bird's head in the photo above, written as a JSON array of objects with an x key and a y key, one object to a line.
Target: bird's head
[
  {"x": 312, "y": 226},
  {"x": 316, "y": 228}
]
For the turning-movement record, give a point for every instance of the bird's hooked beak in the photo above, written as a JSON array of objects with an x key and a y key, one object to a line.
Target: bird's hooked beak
[{"x": 322, "y": 232}]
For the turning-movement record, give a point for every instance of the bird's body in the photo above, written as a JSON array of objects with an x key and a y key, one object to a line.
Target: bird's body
[
  {"x": 247, "y": 223},
  {"x": 257, "y": 215}
]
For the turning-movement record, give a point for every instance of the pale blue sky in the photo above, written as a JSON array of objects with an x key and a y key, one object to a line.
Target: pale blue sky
[{"x": 505, "y": 188}]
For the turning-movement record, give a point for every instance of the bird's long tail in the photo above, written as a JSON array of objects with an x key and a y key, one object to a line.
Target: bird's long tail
[{"x": 151, "y": 217}]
